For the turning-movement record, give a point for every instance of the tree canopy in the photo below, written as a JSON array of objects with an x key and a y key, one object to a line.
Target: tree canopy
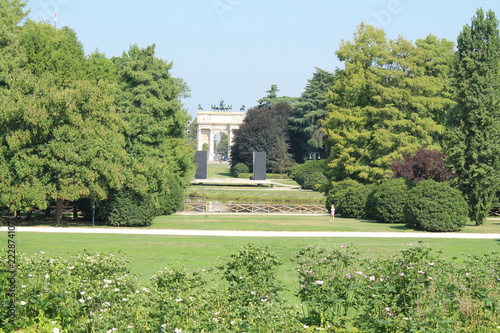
[
  {"x": 308, "y": 115},
  {"x": 75, "y": 126},
  {"x": 474, "y": 142},
  {"x": 59, "y": 135},
  {"x": 390, "y": 99},
  {"x": 264, "y": 130}
]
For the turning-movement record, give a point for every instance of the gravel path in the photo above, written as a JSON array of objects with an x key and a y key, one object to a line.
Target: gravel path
[{"x": 228, "y": 233}]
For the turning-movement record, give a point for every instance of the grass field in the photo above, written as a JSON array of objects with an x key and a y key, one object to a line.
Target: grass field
[
  {"x": 271, "y": 222},
  {"x": 148, "y": 254}
]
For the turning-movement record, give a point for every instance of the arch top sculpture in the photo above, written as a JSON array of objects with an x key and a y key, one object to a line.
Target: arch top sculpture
[{"x": 211, "y": 123}]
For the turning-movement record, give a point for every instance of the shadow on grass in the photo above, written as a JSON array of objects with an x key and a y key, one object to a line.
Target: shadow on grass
[
  {"x": 396, "y": 226},
  {"x": 49, "y": 222}
]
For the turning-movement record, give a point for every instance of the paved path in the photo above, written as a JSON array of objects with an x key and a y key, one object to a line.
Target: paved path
[{"x": 307, "y": 234}]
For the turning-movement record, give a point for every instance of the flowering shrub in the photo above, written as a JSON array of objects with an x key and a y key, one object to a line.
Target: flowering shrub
[
  {"x": 339, "y": 292},
  {"x": 412, "y": 291}
]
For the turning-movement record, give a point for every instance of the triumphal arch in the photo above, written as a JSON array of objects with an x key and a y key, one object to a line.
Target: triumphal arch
[{"x": 221, "y": 119}]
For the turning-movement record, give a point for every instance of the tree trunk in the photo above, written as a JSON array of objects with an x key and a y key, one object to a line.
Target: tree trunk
[
  {"x": 75, "y": 212},
  {"x": 29, "y": 215},
  {"x": 59, "y": 208}
]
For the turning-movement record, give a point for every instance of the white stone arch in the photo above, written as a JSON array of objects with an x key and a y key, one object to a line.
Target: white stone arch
[{"x": 210, "y": 123}]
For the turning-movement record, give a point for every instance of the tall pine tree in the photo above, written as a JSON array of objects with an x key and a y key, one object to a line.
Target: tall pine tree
[
  {"x": 308, "y": 115},
  {"x": 474, "y": 145}
]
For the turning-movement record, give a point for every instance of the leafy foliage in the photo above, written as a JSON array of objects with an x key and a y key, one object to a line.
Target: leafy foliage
[
  {"x": 308, "y": 114},
  {"x": 128, "y": 208},
  {"x": 474, "y": 143},
  {"x": 389, "y": 100},
  {"x": 423, "y": 164},
  {"x": 264, "y": 130},
  {"x": 389, "y": 200},
  {"x": 239, "y": 169},
  {"x": 338, "y": 291},
  {"x": 334, "y": 194},
  {"x": 434, "y": 206},
  {"x": 309, "y": 175},
  {"x": 352, "y": 201}
]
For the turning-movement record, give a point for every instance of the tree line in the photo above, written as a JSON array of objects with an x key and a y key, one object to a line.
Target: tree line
[
  {"x": 87, "y": 128},
  {"x": 392, "y": 99}
]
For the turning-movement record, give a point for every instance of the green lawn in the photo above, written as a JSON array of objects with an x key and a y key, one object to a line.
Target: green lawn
[
  {"x": 147, "y": 254},
  {"x": 271, "y": 222},
  {"x": 218, "y": 170}
]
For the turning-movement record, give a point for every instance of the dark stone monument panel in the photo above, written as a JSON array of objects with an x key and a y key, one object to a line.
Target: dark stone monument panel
[
  {"x": 259, "y": 165},
  {"x": 201, "y": 159}
]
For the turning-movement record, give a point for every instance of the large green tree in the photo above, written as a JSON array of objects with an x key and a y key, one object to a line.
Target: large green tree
[
  {"x": 59, "y": 135},
  {"x": 308, "y": 115},
  {"x": 264, "y": 130},
  {"x": 11, "y": 14},
  {"x": 474, "y": 146},
  {"x": 390, "y": 99},
  {"x": 149, "y": 103}
]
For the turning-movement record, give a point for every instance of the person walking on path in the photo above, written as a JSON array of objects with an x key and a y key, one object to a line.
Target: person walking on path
[{"x": 332, "y": 213}]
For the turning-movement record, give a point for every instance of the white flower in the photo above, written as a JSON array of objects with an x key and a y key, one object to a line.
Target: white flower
[
  {"x": 178, "y": 330},
  {"x": 178, "y": 299},
  {"x": 106, "y": 304},
  {"x": 47, "y": 276},
  {"x": 116, "y": 289},
  {"x": 22, "y": 303},
  {"x": 83, "y": 292},
  {"x": 130, "y": 326},
  {"x": 105, "y": 286},
  {"x": 23, "y": 286},
  {"x": 55, "y": 330},
  {"x": 164, "y": 325},
  {"x": 81, "y": 300},
  {"x": 107, "y": 281},
  {"x": 372, "y": 278},
  {"x": 124, "y": 299},
  {"x": 319, "y": 282},
  {"x": 71, "y": 267},
  {"x": 42, "y": 252},
  {"x": 51, "y": 261}
]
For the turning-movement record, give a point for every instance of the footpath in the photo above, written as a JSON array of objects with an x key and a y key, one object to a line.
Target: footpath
[{"x": 229, "y": 233}]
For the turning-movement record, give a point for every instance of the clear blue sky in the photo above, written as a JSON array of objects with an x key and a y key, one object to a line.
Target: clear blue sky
[{"x": 235, "y": 49}]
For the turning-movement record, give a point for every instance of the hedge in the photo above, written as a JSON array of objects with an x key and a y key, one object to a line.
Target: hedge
[{"x": 434, "y": 206}]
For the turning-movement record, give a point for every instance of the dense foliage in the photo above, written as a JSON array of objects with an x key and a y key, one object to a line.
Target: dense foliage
[
  {"x": 307, "y": 116},
  {"x": 434, "y": 206},
  {"x": 309, "y": 175},
  {"x": 338, "y": 291},
  {"x": 75, "y": 127},
  {"x": 421, "y": 165},
  {"x": 389, "y": 200},
  {"x": 264, "y": 130},
  {"x": 352, "y": 201},
  {"x": 391, "y": 99},
  {"x": 239, "y": 169},
  {"x": 474, "y": 143}
]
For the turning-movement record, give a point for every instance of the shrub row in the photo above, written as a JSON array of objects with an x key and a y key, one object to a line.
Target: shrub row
[
  {"x": 339, "y": 292},
  {"x": 429, "y": 205},
  {"x": 309, "y": 175}
]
